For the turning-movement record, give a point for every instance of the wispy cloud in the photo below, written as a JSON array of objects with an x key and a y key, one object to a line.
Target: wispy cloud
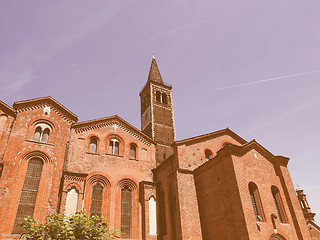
[
  {"x": 266, "y": 80},
  {"x": 171, "y": 32}
]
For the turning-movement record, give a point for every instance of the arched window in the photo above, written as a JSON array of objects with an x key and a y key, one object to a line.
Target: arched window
[
  {"x": 278, "y": 204},
  {"x": 226, "y": 144},
  {"x": 152, "y": 216},
  {"x": 41, "y": 133},
  {"x": 158, "y": 97},
  {"x": 164, "y": 98},
  {"x": 29, "y": 193},
  {"x": 133, "y": 151},
  {"x": 71, "y": 202},
  {"x": 208, "y": 154},
  {"x": 256, "y": 202},
  {"x": 37, "y": 134},
  {"x": 96, "y": 200},
  {"x": 114, "y": 146},
  {"x": 45, "y": 135},
  {"x": 93, "y": 145},
  {"x": 126, "y": 210}
]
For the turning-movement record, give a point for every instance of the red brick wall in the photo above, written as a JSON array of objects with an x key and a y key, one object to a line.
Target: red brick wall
[
  {"x": 115, "y": 169},
  {"x": 255, "y": 167},
  {"x": 220, "y": 207},
  {"x": 192, "y": 155},
  {"x": 19, "y": 150}
]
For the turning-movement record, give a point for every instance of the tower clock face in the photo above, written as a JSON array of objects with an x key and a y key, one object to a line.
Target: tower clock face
[{"x": 146, "y": 118}]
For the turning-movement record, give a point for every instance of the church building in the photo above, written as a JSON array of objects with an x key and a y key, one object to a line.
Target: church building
[{"x": 215, "y": 186}]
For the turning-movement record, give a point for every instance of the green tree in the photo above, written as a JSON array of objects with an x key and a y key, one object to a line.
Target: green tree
[{"x": 78, "y": 226}]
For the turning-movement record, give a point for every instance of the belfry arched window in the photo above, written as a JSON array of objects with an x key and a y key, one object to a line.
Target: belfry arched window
[
  {"x": 29, "y": 193},
  {"x": 278, "y": 204},
  {"x": 41, "y": 133},
  {"x": 96, "y": 199},
  {"x": 164, "y": 98},
  {"x": 256, "y": 202},
  {"x": 158, "y": 97},
  {"x": 126, "y": 212}
]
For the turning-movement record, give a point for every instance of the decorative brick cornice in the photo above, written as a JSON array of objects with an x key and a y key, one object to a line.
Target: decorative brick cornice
[
  {"x": 55, "y": 106},
  {"x": 77, "y": 177},
  {"x": 110, "y": 121}
]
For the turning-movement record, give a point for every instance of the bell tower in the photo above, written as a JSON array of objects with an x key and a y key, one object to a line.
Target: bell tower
[{"x": 157, "y": 112}]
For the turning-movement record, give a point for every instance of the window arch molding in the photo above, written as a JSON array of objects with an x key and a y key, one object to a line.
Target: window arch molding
[
  {"x": 44, "y": 121},
  {"x": 114, "y": 138},
  {"x": 92, "y": 180},
  {"x": 37, "y": 154},
  {"x": 128, "y": 189}
]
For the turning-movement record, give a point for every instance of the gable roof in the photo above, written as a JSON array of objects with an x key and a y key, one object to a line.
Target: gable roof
[
  {"x": 236, "y": 150},
  {"x": 241, "y": 150},
  {"x": 7, "y": 109},
  {"x": 107, "y": 121},
  {"x": 20, "y": 105},
  {"x": 207, "y": 136}
]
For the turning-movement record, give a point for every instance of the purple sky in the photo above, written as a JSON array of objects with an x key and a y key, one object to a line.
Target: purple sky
[{"x": 94, "y": 57}]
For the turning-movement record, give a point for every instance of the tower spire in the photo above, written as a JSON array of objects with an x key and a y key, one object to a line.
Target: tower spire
[{"x": 154, "y": 73}]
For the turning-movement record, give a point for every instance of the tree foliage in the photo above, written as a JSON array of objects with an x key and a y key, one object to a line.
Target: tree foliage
[{"x": 78, "y": 226}]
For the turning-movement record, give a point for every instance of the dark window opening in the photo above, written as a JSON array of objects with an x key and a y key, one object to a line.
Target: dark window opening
[
  {"x": 158, "y": 97},
  {"x": 29, "y": 193},
  {"x": 96, "y": 200},
  {"x": 164, "y": 98},
  {"x": 126, "y": 209},
  {"x": 208, "y": 154},
  {"x": 256, "y": 202},
  {"x": 278, "y": 204}
]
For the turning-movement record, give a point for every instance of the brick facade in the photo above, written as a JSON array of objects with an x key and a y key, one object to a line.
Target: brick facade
[{"x": 200, "y": 185}]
